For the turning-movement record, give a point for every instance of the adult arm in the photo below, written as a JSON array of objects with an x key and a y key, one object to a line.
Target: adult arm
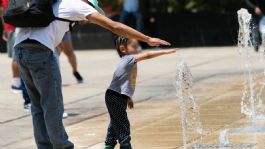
[
  {"x": 153, "y": 54},
  {"x": 4, "y": 34},
  {"x": 123, "y": 30}
]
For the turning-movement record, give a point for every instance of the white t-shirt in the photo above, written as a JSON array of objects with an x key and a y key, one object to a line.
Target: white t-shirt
[{"x": 52, "y": 35}]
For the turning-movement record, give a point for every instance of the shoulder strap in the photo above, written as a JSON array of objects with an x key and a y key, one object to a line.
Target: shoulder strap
[
  {"x": 62, "y": 19},
  {"x": 71, "y": 23}
]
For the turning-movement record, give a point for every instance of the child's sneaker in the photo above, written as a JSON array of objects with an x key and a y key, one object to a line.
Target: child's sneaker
[{"x": 108, "y": 147}]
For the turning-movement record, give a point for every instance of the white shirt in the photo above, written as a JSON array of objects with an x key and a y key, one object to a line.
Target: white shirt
[{"x": 52, "y": 35}]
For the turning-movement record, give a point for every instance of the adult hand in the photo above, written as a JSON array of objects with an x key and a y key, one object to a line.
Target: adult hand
[
  {"x": 5, "y": 36},
  {"x": 123, "y": 30},
  {"x": 258, "y": 11},
  {"x": 157, "y": 42}
]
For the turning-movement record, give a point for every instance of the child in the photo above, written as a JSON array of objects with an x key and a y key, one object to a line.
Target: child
[{"x": 119, "y": 94}]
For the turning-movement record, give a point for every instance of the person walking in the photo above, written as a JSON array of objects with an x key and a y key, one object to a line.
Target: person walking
[
  {"x": 66, "y": 46},
  {"x": 34, "y": 53}
]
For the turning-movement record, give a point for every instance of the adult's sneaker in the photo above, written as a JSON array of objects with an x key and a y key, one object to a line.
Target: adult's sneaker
[
  {"x": 27, "y": 107},
  {"x": 65, "y": 115}
]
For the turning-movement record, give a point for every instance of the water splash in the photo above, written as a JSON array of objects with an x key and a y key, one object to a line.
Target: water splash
[
  {"x": 249, "y": 100},
  {"x": 190, "y": 115},
  {"x": 244, "y": 33},
  {"x": 251, "y": 103},
  {"x": 223, "y": 137}
]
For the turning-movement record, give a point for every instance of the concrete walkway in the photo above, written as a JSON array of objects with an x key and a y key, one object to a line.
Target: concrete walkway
[{"x": 155, "y": 120}]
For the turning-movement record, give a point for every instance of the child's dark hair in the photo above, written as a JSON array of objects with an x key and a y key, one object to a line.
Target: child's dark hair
[{"x": 118, "y": 41}]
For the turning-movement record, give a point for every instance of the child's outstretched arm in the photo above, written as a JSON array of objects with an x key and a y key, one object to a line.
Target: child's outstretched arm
[{"x": 153, "y": 54}]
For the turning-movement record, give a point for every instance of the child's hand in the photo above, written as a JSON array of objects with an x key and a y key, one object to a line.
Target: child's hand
[
  {"x": 157, "y": 42},
  {"x": 170, "y": 51},
  {"x": 130, "y": 104}
]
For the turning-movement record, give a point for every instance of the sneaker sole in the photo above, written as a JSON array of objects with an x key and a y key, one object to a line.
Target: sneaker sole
[
  {"x": 65, "y": 115},
  {"x": 27, "y": 110},
  {"x": 16, "y": 91}
]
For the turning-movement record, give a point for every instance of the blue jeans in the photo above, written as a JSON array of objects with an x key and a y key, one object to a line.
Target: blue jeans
[
  {"x": 25, "y": 93},
  {"x": 137, "y": 15},
  {"x": 40, "y": 72}
]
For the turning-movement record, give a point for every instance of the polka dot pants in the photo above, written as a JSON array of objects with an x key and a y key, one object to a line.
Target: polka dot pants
[{"x": 119, "y": 126}]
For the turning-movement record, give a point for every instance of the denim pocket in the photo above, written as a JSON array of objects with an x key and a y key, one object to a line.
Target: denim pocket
[
  {"x": 37, "y": 56},
  {"x": 38, "y": 63}
]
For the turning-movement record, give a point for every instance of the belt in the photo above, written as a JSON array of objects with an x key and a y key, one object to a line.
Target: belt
[{"x": 31, "y": 41}]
